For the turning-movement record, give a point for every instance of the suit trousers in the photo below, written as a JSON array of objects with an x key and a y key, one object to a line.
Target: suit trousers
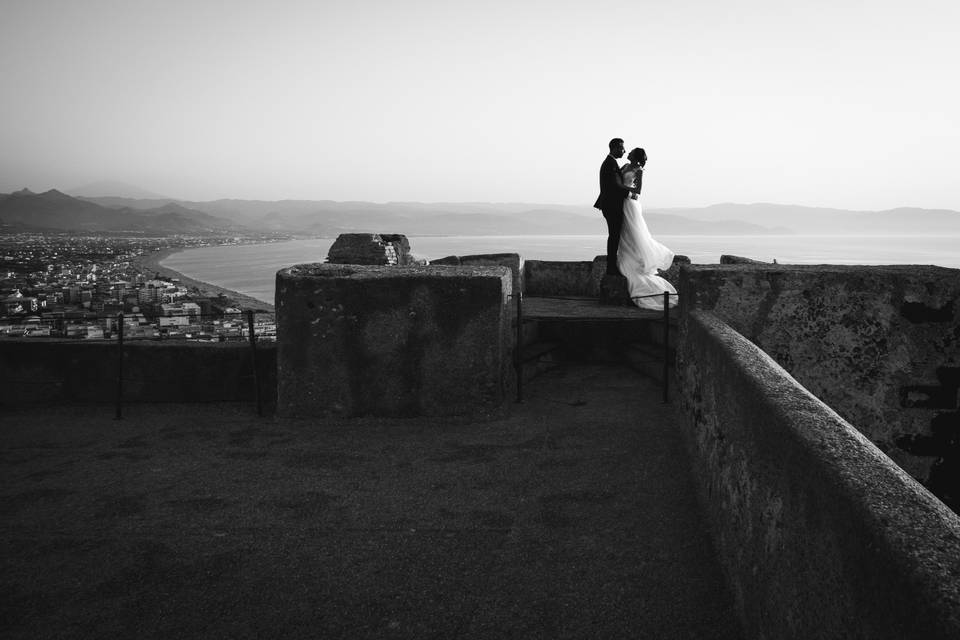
[{"x": 614, "y": 218}]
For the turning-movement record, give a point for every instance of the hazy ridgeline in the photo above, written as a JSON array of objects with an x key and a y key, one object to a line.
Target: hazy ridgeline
[{"x": 54, "y": 210}]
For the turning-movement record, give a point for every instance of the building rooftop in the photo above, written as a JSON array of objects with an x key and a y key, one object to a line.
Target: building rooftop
[{"x": 573, "y": 517}]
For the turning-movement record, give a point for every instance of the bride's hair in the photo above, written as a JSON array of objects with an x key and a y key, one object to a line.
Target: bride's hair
[{"x": 636, "y": 152}]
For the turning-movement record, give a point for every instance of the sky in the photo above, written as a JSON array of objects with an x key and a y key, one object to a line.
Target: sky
[{"x": 837, "y": 103}]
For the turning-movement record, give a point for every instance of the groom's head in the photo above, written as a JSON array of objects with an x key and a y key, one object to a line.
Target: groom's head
[{"x": 616, "y": 148}]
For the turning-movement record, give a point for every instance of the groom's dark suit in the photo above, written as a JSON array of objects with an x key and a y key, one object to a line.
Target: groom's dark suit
[{"x": 610, "y": 204}]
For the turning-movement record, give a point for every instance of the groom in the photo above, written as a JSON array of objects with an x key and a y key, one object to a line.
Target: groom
[{"x": 610, "y": 202}]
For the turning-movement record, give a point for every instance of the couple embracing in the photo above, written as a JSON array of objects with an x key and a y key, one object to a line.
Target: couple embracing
[{"x": 631, "y": 249}]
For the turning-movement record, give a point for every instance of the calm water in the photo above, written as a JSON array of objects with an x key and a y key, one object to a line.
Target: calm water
[{"x": 251, "y": 269}]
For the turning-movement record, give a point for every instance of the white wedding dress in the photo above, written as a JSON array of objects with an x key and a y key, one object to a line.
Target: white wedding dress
[{"x": 639, "y": 256}]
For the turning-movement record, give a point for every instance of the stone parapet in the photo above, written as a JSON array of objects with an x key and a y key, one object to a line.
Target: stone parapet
[
  {"x": 414, "y": 341},
  {"x": 878, "y": 344},
  {"x": 579, "y": 278},
  {"x": 821, "y": 535},
  {"x": 512, "y": 261},
  {"x": 556, "y": 278},
  {"x": 615, "y": 291},
  {"x": 731, "y": 259}
]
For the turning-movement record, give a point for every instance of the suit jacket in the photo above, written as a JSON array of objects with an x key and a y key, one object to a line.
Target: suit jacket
[{"x": 611, "y": 193}]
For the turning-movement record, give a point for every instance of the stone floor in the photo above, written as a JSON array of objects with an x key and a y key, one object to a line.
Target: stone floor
[{"x": 572, "y": 518}]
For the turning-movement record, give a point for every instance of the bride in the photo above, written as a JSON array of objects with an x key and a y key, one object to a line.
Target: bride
[{"x": 639, "y": 256}]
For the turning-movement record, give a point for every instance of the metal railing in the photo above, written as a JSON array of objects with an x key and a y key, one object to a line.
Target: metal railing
[
  {"x": 249, "y": 334},
  {"x": 519, "y": 360}
]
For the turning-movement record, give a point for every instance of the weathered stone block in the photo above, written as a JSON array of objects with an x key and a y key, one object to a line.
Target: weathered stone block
[
  {"x": 554, "y": 278},
  {"x": 598, "y": 271},
  {"x": 512, "y": 261},
  {"x": 615, "y": 291},
  {"x": 730, "y": 259},
  {"x": 370, "y": 248},
  {"x": 672, "y": 275},
  {"x": 358, "y": 340},
  {"x": 449, "y": 260}
]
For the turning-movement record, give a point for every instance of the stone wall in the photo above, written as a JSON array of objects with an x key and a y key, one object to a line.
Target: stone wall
[
  {"x": 880, "y": 345},
  {"x": 413, "y": 341},
  {"x": 820, "y": 534},
  {"x": 566, "y": 278},
  {"x": 34, "y": 370},
  {"x": 512, "y": 261},
  {"x": 557, "y": 278}
]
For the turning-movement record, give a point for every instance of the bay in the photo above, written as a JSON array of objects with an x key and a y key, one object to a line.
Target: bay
[{"x": 251, "y": 269}]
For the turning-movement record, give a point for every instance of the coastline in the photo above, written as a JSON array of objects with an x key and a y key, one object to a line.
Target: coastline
[{"x": 151, "y": 262}]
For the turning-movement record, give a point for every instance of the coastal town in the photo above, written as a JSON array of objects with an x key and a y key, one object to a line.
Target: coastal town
[{"x": 64, "y": 286}]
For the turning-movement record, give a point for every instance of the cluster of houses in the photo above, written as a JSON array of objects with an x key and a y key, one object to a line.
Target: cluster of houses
[{"x": 157, "y": 309}]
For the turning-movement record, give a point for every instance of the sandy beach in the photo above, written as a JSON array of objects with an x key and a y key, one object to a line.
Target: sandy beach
[{"x": 150, "y": 262}]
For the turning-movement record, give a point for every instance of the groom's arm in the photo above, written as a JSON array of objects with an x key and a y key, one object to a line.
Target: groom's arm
[{"x": 612, "y": 177}]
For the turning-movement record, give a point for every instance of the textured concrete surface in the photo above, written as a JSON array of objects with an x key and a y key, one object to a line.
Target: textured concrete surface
[
  {"x": 393, "y": 341},
  {"x": 573, "y": 518},
  {"x": 880, "y": 345},
  {"x": 672, "y": 275},
  {"x": 512, "y": 261},
  {"x": 731, "y": 259},
  {"x": 559, "y": 278},
  {"x": 615, "y": 291},
  {"x": 822, "y": 535}
]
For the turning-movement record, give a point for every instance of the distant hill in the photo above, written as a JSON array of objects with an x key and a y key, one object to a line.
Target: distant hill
[
  {"x": 54, "y": 210},
  {"x": 815, "y": 220},
  {"x": 329, "y": 218},
  {"x": 113, "y": 188}
]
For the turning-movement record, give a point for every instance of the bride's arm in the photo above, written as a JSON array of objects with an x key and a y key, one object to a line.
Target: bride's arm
[
  {"x": 634, "y": 188},
  {"x": 623, "y": 185}
]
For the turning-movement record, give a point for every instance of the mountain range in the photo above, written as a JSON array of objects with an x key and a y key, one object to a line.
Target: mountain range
[{"x": 55, "y": 210}]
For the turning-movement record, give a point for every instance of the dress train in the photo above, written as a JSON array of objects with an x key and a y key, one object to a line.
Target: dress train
[{"x": 639, "y": 256}]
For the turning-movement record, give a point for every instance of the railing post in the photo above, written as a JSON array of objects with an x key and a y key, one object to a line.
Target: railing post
[
  {"x": 518, "y": 356},
  {"x": 666, "y": 347},
  {"x": 253, "y": 361},
  {"x": 119, "y": 367}
]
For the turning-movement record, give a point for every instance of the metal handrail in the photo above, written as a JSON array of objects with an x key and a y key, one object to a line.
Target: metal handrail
[{"x": 120, "y": 378}]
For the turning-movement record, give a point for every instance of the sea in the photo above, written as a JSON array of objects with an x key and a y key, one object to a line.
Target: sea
[{"x": 251, "y": 268}]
